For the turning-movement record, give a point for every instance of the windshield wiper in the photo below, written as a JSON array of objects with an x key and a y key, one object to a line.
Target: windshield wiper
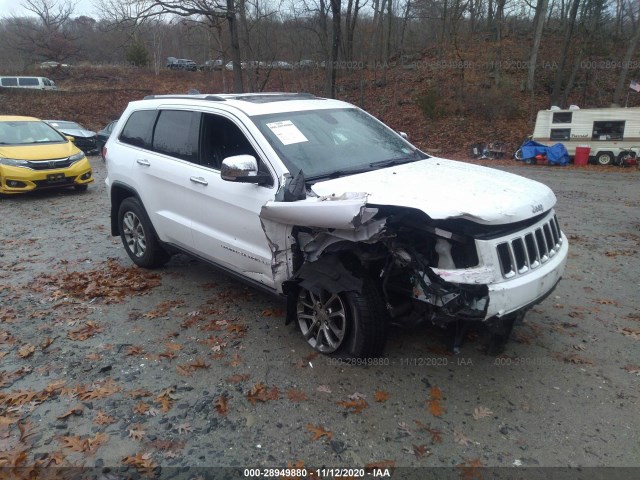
[
  {"x": 340, "y": 173},
  {"x": 392, "y": 162}
]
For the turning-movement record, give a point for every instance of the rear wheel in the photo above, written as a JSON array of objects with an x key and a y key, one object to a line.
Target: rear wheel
[
  {"x": 81, "y": 188},
  {"x": 604, "y": 158},
  {"x": 348, "y": 324},
  {"x": 138, "y": 237}
]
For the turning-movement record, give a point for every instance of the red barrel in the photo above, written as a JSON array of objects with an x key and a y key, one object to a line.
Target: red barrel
[{"x": 582, "y": 155}]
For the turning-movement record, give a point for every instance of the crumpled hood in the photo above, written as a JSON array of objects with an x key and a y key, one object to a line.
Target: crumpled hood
[
  {"x": 74, "y": 132},
  {"x": 44, "y": 151},
  {"x": 448, "y": 189}
]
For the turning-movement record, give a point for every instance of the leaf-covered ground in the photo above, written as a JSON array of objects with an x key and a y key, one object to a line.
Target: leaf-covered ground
[{"x": 104, "y": 364}]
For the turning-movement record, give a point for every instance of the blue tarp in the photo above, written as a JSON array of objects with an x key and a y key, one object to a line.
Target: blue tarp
[{"x": 556, "y": 154}]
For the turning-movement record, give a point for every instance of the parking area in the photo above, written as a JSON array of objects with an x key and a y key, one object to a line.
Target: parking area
[{"x": 108, "y": 365}]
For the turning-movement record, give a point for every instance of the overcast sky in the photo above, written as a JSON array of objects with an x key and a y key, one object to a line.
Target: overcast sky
[{"x": 11, "y": 7}]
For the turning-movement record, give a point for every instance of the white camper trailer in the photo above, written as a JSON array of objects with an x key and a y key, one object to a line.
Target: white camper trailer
[{"x": 610, "y": 132}]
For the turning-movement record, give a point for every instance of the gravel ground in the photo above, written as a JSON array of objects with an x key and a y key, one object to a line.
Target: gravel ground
[{"x": 106, "y": 365}]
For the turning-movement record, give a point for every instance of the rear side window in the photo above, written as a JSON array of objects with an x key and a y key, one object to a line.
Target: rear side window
[
  {"x": 9, "y": 82},
  {"x": 176, "y": 134},
  {"x": 139, "y": 129},
  {"x": 28, "y": 82}
]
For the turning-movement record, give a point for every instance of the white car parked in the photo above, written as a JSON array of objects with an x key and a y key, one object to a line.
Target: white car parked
[{"x": 315, "y": 200}]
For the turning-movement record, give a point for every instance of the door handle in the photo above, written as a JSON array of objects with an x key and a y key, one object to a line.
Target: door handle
[
  {"x": 143, "y": 162},
  {"x": 199, "y": 180}
]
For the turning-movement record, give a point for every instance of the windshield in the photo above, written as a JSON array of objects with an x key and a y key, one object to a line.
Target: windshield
[
  {"x": 334, "y": 142},
  {"x": 28, "y": 133}
]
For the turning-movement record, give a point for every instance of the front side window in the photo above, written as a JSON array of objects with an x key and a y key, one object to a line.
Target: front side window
[
  {"x": 176, "y": 134},
  {"x": 334, "y": 142},
  {"x": 608, "y": 130},
  {"x": 221, "y": 138},
  {"x": 138, "y": 130}
]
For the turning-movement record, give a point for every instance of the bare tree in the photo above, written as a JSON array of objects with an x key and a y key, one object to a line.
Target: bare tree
[
  {"x": 538, "y": 26},
  {"x": 631, "y": 48},
  {"x": 45, "y": 36}
]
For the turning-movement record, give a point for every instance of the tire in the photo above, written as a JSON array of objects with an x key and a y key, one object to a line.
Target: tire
[
  {"x": 604, "y": 158},
  {"x": 518, "y": 154},
  {"x": 530, "y": 161},
  {"x": 346, "y": 324},
  {"x": 81, "y": 188},
  {"x": 138, "y": 237}
]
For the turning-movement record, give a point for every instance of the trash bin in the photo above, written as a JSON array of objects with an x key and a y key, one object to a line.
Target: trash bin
[{"x": 582, "y": 155}]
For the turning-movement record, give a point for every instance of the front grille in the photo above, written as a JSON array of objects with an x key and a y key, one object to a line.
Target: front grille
[
  {"x": 68, "y": 181},
  {"x": 527, "y": 252},
  {"x": 50, "y": 164}
]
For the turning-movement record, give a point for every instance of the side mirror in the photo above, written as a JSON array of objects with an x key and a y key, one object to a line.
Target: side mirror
[
  {"x": 243, "y": 169},
  {"x": 404, "y": 135},
  {"x": 70, "y": 138}
]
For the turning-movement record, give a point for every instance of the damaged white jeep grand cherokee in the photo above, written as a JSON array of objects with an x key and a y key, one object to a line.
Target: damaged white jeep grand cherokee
[{"x": 317, "y": 201}]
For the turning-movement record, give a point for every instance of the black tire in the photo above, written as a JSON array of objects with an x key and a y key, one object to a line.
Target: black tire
[
  {"x": 138, "y": 236},
  {"x": 361, "y": 322},
  {"x": 81, "y": 188},
  {"x": 604, "y": 158},
  {"x": 530, "y": 161}
]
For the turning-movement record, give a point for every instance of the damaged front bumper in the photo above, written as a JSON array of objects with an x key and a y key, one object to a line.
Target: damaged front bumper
[{"x": 519, "y": 270}]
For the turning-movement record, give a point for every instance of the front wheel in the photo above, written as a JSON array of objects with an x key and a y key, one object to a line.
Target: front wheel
[
  {"x": 350, "y": 324},
  {"x": 138, "y": 237},
  {"x": 81, "y": 188}
]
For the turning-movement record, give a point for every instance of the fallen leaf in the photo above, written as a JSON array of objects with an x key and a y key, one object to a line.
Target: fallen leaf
[
  {"x": 421, "y": 450},
  {"x": 324, "y": 389},
  {"x": 633, "y": 369},
  {"x": 104, "y": 419},
  {"x": 319, "y": 432},
  {"x": 88, "y": 330},
  {"x": 75, "y": 444},
  {"x": 26, "y": 351},
  {"x": 481, "y": 412},
  {"x": 184, "y": 428},
  {"x": 238, "y": 378},
  {"x": 354, "y": 406},
  {"x": 222, "y": 405},
  {"x": 470, "y": 469},
  {"x": 141, "y": 408},
  {"x": 74, "y": 411},
  {"x": 297, "y": 395},
  {"x": 260, "y": 393},
  {"x": 141, "y": 462},
  {"x": 136, "y": 434},
  {"x": 134, "y": 350},
  {"x": 381, "y": 396},
  {"x": 436, "y": 435},
  {"x": 460, "y": 438},
  {"x": 630, "y": 332},
  {"x": 46, "y": 343}
]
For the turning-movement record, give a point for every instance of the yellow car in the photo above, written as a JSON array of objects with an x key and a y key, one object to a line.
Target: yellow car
[{"x": 34, "y": 155}]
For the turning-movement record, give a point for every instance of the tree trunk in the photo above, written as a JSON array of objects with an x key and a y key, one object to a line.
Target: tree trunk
[
  {"x": 557, "y": 86},
  {"x": 238, "y": 86},
  {"x": 336, "y": 35},
  {"x": 631, "y": 48},
  {"x": 538, "y": 26}
]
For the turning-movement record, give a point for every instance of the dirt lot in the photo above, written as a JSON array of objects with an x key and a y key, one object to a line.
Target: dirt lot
[{"x": 108, "y": 365}]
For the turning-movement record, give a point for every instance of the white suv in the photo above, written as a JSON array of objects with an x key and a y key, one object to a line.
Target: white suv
[{"x": 317, "y": 201}]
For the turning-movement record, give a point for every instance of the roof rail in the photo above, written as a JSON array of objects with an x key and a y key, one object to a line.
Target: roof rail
[{"x": 213, "y": 98}]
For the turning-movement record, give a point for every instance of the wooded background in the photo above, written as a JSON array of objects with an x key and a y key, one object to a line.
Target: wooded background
[{"x": 479, "y": 60}]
